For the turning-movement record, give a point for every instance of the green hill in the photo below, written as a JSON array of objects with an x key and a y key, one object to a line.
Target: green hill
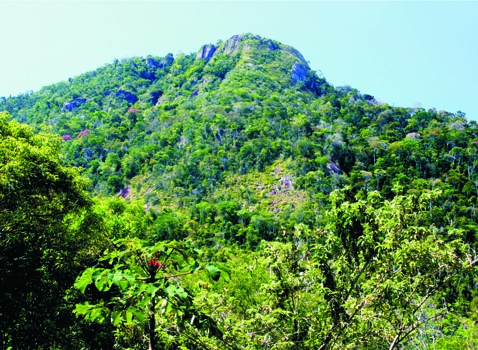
[
  {"x": 242, "y": 143},
  {"x": 246, "y": 122}
]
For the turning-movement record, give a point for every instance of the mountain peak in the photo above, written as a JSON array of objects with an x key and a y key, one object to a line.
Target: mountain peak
[
  {"x": 246, "y": 58},
  {"x": 245, "y": 43}
]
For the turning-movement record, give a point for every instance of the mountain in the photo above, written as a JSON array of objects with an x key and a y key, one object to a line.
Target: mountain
[
  {"x": 244, "y": 129},
  {"x": 244, "y": 124},
  {"x": 241, "y": 143}
]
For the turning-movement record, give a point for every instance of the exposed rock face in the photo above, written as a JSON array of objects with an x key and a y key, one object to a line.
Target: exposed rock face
[
  {"x": 334, "y": 168},
  {"x": 206, "y": 52},
  {"x": 125, "y": 192},
  {"x": 155, "y": 95},
  {"x": 166, "y": 61},
  {"x": 298, "y": 73},
  {"x": 76, "y": 103},
  {"x": 152, "y": 63},
  {"x": 232, "y": 44},
  {"x": 413, "y": 135},
  {"x": 272, "y": 45},
  {"x": 148, "y": 75},
  {"x": 126, "y": 95}
]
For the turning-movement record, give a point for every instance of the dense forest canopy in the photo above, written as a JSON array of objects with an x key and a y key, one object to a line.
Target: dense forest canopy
[{"x": 233, "y": 198}]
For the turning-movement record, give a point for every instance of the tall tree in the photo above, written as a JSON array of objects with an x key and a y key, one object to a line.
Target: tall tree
[{"x": 44, "y": 231}]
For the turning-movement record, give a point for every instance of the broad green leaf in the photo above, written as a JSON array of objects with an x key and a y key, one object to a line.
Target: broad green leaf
[
  {"x": 152, "y": 289},
  {"x": 102, "y": 282},
  {"x": 129, "y": 317},
  {"x": 225, "y": 271},
  {"x": 214, "y": 272},
  {"x": 97, "y": 314},
  {"x": 116, "y": 316},
  {"x": 123, "y": 284},
  {"x": 116, "y": 277},
  {"x": 84, "y": 279},
  {"x": 82, "y": 309},
  {"x": 171, "y": 290},
  {"x": 137, "y": 313}
]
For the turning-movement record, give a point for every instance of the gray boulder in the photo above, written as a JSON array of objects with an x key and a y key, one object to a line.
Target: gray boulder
[
  {"x": 166, "y": 61},
  {"x": 73, "y": 104},
  {"x": 232, "y": 44},
  {"x": 152, "y": 63},
  {"x": 126, "y": 95},
  {"x": 206, "y": 52},
  {"x": 299, "y": 73},
  {"x": 154, "y": 96}
]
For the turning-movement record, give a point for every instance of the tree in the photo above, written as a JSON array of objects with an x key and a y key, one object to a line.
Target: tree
[
  {"x": 385, "y": 268},
  {"x": 369, "y": 278},
  {"x": 45, "y": 232},
  {"x": 142, "y": 278}
]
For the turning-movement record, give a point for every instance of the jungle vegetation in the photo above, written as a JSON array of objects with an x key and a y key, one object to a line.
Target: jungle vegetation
[{"x": 233, "y": 199}]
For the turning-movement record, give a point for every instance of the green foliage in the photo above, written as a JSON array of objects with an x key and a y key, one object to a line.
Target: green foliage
[
  {"x": 46, "y": 235},
  {"x": 372, "y": 277},
  {"x": 146, "y": 276},
  {"x": 320, "y": 199}
]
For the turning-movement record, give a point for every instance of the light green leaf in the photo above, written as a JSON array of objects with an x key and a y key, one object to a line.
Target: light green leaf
[
  {"x": 116, "y": 316},
  {"x": 214, "y": 272},
  {"x": 82, "y": 309},
  {"x": 129, "y": 317},
  {"x": 137, "y": 313},
  {"x": 102, "y": 282},
  {"x": 97, "y": 314},
  {"x": 84, "y": 279},
  {"x": 171, "y": 290}
]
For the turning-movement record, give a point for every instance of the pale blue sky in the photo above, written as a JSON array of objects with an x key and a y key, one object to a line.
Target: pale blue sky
[{"x": 405, "y": 53}]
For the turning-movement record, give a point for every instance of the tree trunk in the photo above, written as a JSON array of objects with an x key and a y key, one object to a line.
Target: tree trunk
[{"x": 152, "y": 323}]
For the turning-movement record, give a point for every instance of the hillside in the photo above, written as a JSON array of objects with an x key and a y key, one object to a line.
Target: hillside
[
  {"x": 246, "y": 114},
  {"x": 242, "y": 143}
]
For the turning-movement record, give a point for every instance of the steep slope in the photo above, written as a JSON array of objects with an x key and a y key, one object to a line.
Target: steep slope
[{"x": 242, "y": 140}]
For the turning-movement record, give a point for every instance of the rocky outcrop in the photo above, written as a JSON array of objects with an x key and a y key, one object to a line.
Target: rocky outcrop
[
  {"x": 334, "y": 168},
  {"x": 271, "y": 45},
  {"x": 162, "y": 63},
  {"x": 206, "y": 52},
  {"x": 125, "y": 192},
  {"x": 413, "y": 135},
  {"x": 154, "y": 97},
  {"x": 126, "y": 95},
  {"x": 166, "y": 61},
  {"x": 73, "y": 104},
  {"x": 232, "y": 44},
  {"x": 152, "y": 63},
  {"x": 147, "y": 75},
  {"x": 297, "y": 54},
  {"x": 299, "y": 73}
]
